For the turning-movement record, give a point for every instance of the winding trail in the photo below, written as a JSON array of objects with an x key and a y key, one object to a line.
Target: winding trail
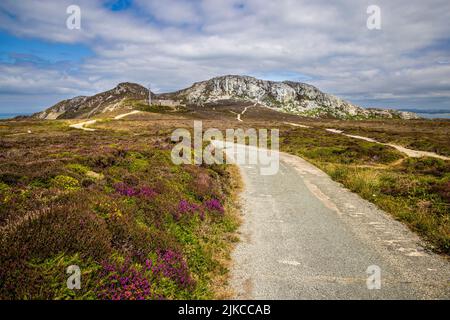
[
  {"x": 239, "y": 115},
  {"x": 304, "y": 236},
  {"x": 416, "y": 153},
  {"x": 82, "y": 125},
  {"x": 296, "y": 125},
  {"x": 120, "y": 116},
  {"x": 409, "y": 152}
]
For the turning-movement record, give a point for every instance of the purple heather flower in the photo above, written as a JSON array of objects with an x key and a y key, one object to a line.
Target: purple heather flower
[
  {"x": 124, "y": 189},
  {"x": 147, "y": 192},
  {"x": 123, "y": 283},
  {"x": 172, "y": 265},
  {"x": 214, "y": 205},
  {"x": 185, "y": 206}
]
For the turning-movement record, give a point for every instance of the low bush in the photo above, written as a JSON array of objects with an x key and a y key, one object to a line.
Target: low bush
[
  {"x": 146, "y": 229},
  {"x": 66, "y": 183}
]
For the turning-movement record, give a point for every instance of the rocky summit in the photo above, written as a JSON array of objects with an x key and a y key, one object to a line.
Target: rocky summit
[
  {"x": 287, "y": 96},
  {"x": 87, "y": 107}
]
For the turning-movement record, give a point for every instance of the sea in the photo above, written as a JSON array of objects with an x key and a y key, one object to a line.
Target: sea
[
  {"x": 4, "y": 116},
  {"x": 434, "y": 115}
]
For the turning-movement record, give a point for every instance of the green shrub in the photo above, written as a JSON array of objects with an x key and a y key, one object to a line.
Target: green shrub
[
  {"x": 154, "y": 108},
  {"x": 78, "y": 168},
  {"x": 4, "y": 194},
  {"x": 432, "y": 166},
  {"x": 51, "y": 278},
  {"x": 137, "y": 162},
  {"x": 4, "y": 187},
  {"x": 138, "y": 165},
  {"x": 65, "y": 182}
]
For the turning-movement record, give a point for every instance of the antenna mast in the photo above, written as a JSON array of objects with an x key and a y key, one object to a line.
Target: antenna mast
[{"x": 149, "y": 95}]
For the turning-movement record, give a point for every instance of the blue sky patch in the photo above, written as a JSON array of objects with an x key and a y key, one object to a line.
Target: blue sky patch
[{"x": 12, "y": 47}]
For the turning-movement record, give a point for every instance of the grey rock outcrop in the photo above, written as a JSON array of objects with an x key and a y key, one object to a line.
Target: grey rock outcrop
[
  {"x": 287, "y": 96},
  {"x": 86, "y": 107}
]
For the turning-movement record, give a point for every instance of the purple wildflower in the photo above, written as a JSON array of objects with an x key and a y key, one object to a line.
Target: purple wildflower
[
  {"x": 123, "y": 283},
  {"x": 185, "y": 207},
  {"x": 147, "y": 192},
  {"x": 124, "y": 189},
  {"x": 172, "y": 265},
  {"x": 214, "y": 205}
]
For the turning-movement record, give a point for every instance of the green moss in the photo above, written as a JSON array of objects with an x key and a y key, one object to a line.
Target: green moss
[
  {"x": 4, "y": 187},
  {"x": 65, "y": 154},
  {"x": 78, "y": 168},
  {"x": 138, "y": 165},
  {"x": 65, "y": 182},
  {"x": 155, "y": 108},
  {"x": 137, "y": 162},
  {"x": 5, "y": 194},
  {"x": 41, "y": 182}
]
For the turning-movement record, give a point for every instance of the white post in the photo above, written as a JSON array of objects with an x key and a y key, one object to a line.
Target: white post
[{"x": 149, "y": 95}]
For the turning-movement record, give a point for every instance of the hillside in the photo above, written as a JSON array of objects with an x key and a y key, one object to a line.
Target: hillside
[
  {"x": 287, "y": 96},
  {"x": 86, "y": 107}
]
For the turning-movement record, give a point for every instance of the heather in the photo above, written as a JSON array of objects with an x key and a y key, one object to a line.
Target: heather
[{"x": 138, "y": 226}]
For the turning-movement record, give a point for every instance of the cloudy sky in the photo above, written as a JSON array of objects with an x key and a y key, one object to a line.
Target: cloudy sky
[{"x": 172, "y": 43}]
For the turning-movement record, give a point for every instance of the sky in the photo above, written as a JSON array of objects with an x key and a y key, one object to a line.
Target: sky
[{"x": 170, "y": 44}]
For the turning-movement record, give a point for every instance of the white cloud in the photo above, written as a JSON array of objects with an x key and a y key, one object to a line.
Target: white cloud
[{"x": 171, "y": 44}]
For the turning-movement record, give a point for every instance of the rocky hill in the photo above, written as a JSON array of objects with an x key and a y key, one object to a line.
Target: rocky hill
[
  {"x": 287, "y": 96},
  {"x": 86, "y": 107}
]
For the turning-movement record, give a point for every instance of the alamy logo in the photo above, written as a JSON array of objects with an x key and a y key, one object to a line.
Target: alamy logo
[
  {"x": 374, "y": 19},
  {"x": 374, "y": 279},
  {"x": 74, "y": 281},
  {"x": 74, "y": 19},
  {"x": 249, "y": 147}
]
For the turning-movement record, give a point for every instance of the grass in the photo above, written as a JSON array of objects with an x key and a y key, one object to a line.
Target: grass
[
  {"x": 415, "y": 191},
  {"x": 155, "y": 108},
  {"x": 321, "y": 146},
  {"x": 112, "y": 203},
  {"x": 143, "y": 105}
]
